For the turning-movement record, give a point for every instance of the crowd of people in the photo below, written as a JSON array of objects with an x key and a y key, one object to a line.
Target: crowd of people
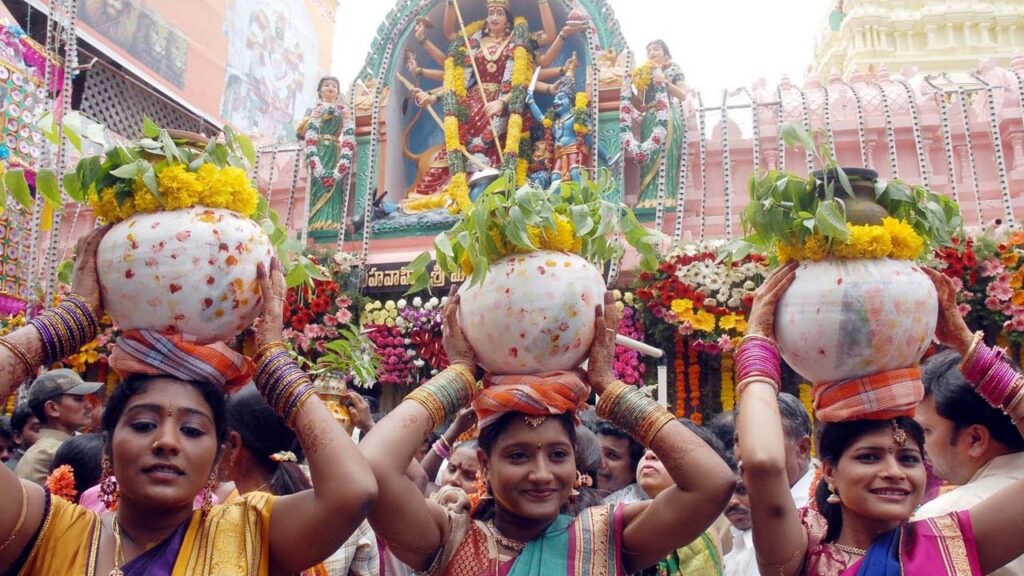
[{"x": 207, "y": 462}]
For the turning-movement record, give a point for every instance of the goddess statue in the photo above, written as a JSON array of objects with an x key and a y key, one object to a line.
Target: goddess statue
[
  {"x": 658, "y": 73},
  {"x": 328, "y": 149},
  {"x": 484, "y": 98}
]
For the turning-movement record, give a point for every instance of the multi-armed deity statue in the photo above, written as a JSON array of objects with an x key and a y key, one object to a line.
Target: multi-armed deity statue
[{"x": 487, "y": 71}]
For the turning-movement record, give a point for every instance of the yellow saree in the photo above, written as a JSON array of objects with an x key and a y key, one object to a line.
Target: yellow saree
[{"x": 232, "y": 540}]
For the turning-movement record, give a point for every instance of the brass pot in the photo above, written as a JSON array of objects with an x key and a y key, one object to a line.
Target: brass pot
[
  {"x": 862, "y": 208},
  {"x": 332, "y": 388}
]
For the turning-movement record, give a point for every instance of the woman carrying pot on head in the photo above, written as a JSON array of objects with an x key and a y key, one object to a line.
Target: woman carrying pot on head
[
  {"x": 528, "y": 473},
  {"x": 164, "y": 428},
  {"x": 873, "y": 467}
]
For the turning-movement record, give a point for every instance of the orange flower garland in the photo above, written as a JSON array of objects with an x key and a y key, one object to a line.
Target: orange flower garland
[
  {"x": 695, "y": 415},
  {"x": 728, "y": 386},
  {"x": 62, "y": 483},
  {"x": 680, "y": 377}
]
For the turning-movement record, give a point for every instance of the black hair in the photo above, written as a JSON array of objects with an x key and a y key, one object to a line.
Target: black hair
[
  {"x": 264, "y": 434},
  {"x": 723, "y": 426},
  {"x": 20, "y": 417},
  {"x": 84, "y": 453},
  {"x": 324, "y": 80},
  {"x": 137, "y": 384},
  {"x": 664, "y": 47},
  {"x": 588, "y": 462},
  {"x": 956, "y": 401},
  {"x": 606, "y": 428},
  {"x": 39, "y": 409},
  {"x": 707, "y": 436},
  {"x": 5, "y": 430},
  {"x": 795, "y": 419},
  {"x": 489, "y": 436},
  {"x": 836, "y": 438}
]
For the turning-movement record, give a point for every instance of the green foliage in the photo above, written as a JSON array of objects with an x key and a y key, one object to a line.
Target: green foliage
[
  {"x": 786, "y": 208},
  {"x": 351, "y": 354},
  {"x": 502, "y": 218}
]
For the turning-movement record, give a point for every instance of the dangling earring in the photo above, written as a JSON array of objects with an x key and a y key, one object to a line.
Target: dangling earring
[
  {"x": 208, "y": 495},
  {"x": 483, "y": 488},
  {"x": 833, "y": 496},
  {"x": 109, "y": 492},
  {"x": 581, "y": 480}
]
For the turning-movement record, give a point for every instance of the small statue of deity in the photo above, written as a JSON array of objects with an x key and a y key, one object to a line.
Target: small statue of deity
[
  {"x": 569, "y": 125},
  {"x": 329, "y": 145}
]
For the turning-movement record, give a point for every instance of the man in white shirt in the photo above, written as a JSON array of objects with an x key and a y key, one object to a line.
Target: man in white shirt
[
  {"x": 796, "y": 423},
  {"x": 741, "y": 560},
  {"x": 970, "y": 444}
]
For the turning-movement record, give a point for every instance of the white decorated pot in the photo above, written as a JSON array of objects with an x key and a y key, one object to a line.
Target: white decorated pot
[
  {"x": 533, "y": 312},
  {"x": 844, "y": 319},
  {"x": 191, "y": 271}
]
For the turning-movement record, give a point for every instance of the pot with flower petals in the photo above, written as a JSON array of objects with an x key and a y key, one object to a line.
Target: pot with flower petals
[{"x": 533, "y": 312}]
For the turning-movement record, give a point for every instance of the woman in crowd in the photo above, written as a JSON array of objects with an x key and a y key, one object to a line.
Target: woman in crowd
[
  {"x": 163, "y": 439},
  {"x": 873, "y": 468},
  {"x": 528, "y": 469}
]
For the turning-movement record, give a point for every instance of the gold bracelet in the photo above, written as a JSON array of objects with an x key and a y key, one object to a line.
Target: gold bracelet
[
  {"x": 468, "y": 377},
  {"x": 433, "y": 406},
  {"x": 978, "y": 336},
  {"x": 606, "y": 403},
  {"x": 653, "y": 424},
  {"x": 19, "y": 352},
  {"x": 21, "y": 518},
  {"x": 266, "y": 349}
]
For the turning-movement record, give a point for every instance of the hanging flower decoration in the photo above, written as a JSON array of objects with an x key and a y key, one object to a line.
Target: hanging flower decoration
[
  {"x": 643, "y": 151},
  {"x": 407, "y": 335},
  {"x": 315, "y": 312},
  {"x": 628, "y": 365},
  {"x": 696, "y": 295}
]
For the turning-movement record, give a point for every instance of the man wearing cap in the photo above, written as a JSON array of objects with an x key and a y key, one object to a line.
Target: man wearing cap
[{"x": 58, "y": 399}]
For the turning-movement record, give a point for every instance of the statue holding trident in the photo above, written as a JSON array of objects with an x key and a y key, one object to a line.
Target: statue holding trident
[{"x": 487, "y": 70}]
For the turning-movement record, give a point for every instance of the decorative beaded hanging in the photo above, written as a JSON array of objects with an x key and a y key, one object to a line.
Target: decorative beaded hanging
[
  {"x": 684, "y": 159},
  {"x": 890, "y": 131},
  {"x": 997, "y": 147},
  {"x": 805, "y": 118},
  {"x": 67, "y": 12},
  {"x": 593, "y": 49},
  {"x": 306, "y": 200},
  {"x": 966, "y": 119},
  {"x": 726, "y": 165},
  {"x": 1020, "y": 91},
  {"x": 861, "y": 128},
  {"x": 701, "y": 125},
  {"x": 947, "y": 139},
  {"x": 270, "y": 180},
  {"x": 826, "y": 103},
  {"x": 624, "y": 96},
  {"x": 922, "y": 161},
  {"x": 780, "y": 119},
  {"x": 349, "y": 182},
  {"x": 293, "y": 185}
]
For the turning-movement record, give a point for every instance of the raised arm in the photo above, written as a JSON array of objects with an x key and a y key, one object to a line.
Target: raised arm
[
  {"x": 557, "y": 45},
  {"x": 547, "y": 19},
  {"x": 414, "y": 527},
  {"x": 703, "y": 481},
  {"x": 998, "y": 521},
  {"x": 308, "y": 526},
  {"x": 461, "y": 424},
  {"x": 420, "y": 33},
  {"x": 779, "y": 537},
  {"x": 451, "y": 22},
  {"x": 22, "y": 353}
]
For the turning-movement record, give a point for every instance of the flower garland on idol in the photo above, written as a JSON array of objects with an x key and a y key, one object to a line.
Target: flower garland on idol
[
  {"x": 643, "y": 151},
  {"x": 457, "y": 75},
  {"x": 322, "y": 112}
]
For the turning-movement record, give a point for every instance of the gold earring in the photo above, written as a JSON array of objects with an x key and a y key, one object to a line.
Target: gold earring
[
  {"x": 833, "y": 496},
  {"x": 208, "y": 495}
]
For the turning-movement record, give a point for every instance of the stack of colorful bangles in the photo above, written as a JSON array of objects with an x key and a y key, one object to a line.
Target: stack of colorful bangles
[
  {"x": 442, "y": 448},
  {"x": 447, "y": 393},
  {"x": 284, "y": 385},
  {"x": 66, "y": 327},
  {"x": 628, "y": 408},
  {"x": 994, "y": 378},
  {"x": 757, "y": 359}
]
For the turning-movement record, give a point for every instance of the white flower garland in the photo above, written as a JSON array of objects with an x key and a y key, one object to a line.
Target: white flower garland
[
  {"x": 312, "y": 138},
  {"x": 643, "y": 151}
]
